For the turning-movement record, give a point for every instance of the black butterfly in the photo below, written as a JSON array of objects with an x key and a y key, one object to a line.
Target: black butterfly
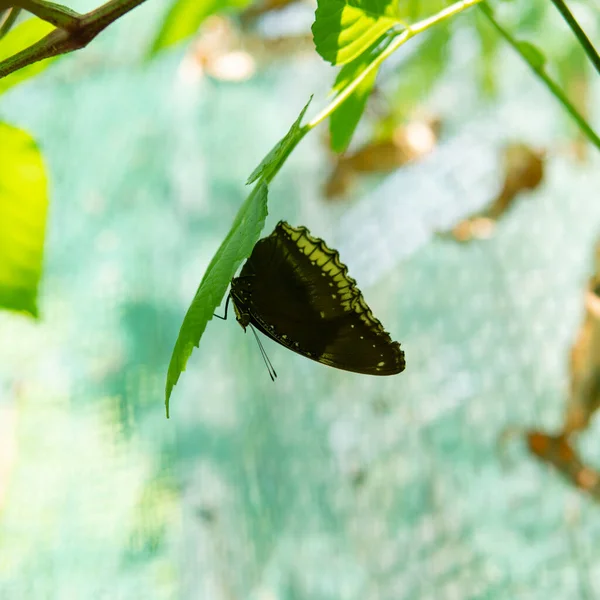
[{"x": 296, "y": 291}]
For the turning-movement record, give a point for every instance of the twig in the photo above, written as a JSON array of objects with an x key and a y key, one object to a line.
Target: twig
[
  {"x": 8, "y": 20},
  {"x": 55, "y": 14},
  {"x": 581, "y": 36},
  {"x": 539, "y": 71},
  {"x": 73, "y": 31}
]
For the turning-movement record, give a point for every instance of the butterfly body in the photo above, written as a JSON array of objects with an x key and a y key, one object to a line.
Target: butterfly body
[{"x": 295, "y": 290}]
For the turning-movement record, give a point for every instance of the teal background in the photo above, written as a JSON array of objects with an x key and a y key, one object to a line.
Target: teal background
[{"x": 325, "y": 485}]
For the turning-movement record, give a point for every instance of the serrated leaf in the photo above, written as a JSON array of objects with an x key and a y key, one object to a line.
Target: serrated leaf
[
  {"x": 237, "y": 246},
  {"x": 273, "y": 160},
  {"x": 20, "y": 37},
  {"x": 23, "y": 206},
  {"x": 344, "y": 29},
  {"x": 185, "y": 17},
  {"x": 533, "y": 54}
]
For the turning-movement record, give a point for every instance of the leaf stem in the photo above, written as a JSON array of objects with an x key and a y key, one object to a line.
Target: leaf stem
[
  {"x": 73, "y": 31},
  {"x": 579, "y": 33},
  {"x": 401, "y": 39},
  {"x": 539, "y": 71}
]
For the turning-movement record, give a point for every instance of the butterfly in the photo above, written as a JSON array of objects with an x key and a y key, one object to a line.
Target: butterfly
[{"x": 296, "y": 291}]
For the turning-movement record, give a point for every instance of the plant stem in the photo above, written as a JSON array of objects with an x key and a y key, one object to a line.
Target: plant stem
[
  {"x": 7, "y": 20},
  {"x": 73, "y": 31},
  {"x": 401, "y": 39},
  {"x": 539, "y": 71},
  {"x": 580, "y": 34},
  {"x": 55, "y": 14}
]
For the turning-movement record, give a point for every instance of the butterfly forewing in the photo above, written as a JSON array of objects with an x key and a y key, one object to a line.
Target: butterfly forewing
[{"x": 297, "y": 291}]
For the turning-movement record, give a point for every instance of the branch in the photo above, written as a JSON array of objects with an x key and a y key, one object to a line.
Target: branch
[
  {"x": 581, "y": 36},
  {"x": 55, "y": 14},
  {"x": 73, "y": 31},
  {"x": 539, "y": 71}
]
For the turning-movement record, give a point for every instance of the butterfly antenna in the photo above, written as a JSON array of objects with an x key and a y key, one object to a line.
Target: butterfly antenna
[{"x": 270, "y": 369}]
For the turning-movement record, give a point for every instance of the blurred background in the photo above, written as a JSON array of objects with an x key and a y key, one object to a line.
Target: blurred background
[{"x": 467, "y": 208}]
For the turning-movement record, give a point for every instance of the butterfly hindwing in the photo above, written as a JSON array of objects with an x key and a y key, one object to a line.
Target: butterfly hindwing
[{"x": 298, "y": 292}]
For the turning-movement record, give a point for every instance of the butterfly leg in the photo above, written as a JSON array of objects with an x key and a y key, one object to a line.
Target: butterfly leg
[{"x": 224, "y": 318}]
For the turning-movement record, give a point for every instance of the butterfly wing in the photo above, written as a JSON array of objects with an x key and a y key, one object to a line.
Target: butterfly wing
[{"x": 299, "y": 293}]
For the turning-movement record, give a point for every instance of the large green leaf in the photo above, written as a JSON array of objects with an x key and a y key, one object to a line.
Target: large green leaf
[
  {"x": 271, "y": 163},
  {"x": 185, "y": 17},
  {"x": 344, "y": 29},
  {"x": 235, "y": 248},
  {"x": 23, "y": 206},
  {"x": 20, "y": 37}
]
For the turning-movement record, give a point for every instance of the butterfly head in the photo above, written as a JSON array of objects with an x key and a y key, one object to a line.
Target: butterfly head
[{"x": 239, "y": 299}]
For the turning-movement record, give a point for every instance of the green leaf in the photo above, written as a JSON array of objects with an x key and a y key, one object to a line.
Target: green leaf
[
  {"x": 344, "y": 120},
  {"x": 349, "y": 72},
  {"x": 533, "y": 54},
  {"x": 415, "y": 10},
  {"x": 344, "y": 29},
  {"x": 271, "y": 163},
  {"x": 185, "y": 17},
  {"x": 20, "y": 37},
  {"x": 23, "y": 206},
  {"x": 235, "y": 248}
]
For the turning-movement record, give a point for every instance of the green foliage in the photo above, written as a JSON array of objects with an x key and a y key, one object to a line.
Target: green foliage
[
  {"x": 344, "y": 29},
  {"x": 185, "y": 17},
  {"x": 349, "y": 72},
  {"x": 17, "y": 39},
  {"x": 344, "y": 120},
  {"x": 533, "y": 54},
  {"x": 23, "y": 206},
  {"x": 238, "y": 245},
  {"x": 415, "y": 10},
  {"x": 272, "y": 162}
]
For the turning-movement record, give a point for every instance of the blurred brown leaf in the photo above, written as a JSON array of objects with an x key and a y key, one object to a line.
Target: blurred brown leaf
[
  {"x": 578, "y": 92},
  {"x": 226, "y": 52},
  {"x": 407, "y": 143},
  {"x": 584, "y": 398},
  {"x": 556, "y": 450},
  {"x": 523, "y": 169}
]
